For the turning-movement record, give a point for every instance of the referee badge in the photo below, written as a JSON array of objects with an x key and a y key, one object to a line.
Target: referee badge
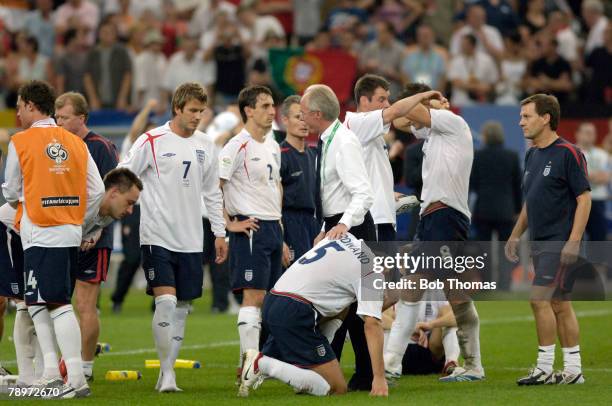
[
  {"x": 321, "y": 350},
  {"x": 248, "y": 275}
]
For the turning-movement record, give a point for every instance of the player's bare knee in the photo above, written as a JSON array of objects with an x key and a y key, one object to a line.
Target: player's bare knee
[
  {"x": 539, "y": 305},
  {"x": 338, "y": 388}
]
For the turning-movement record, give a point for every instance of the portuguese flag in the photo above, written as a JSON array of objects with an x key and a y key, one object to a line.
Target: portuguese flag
[{"x": 294, "y": 69}]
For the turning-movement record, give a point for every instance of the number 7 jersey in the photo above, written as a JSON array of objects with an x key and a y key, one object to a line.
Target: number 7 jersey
[{"x": 176, "y": 173}]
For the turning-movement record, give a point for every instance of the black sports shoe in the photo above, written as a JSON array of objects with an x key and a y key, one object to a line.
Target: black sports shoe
[
  {"x": 359, "y": 383},
  {"x": 535, "y": 376},
  {"x": 563, "y": 378}
]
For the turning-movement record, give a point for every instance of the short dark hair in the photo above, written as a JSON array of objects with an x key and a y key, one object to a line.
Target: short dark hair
[
  {"x": 248, "y": 98},
  {"x": 123, "y": 179},
  {"x": 186, "y": 92},
  {"x": 471, "y": 38},
  {"x": 545, "y": 104},
  {"x": 414, "y": 88},
  {"x": 40, "y": 94},
  {"x": 287, "y": 103},
  {"x": 367, "y": 85}
]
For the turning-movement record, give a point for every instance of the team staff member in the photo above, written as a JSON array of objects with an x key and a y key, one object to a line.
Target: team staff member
[
  {"x": 370, "y": 124},
  {"x": 556, "y": 209},
  {"x": 175, "y": 163},
  {"x": 448, "y": 154},
  {"x": 250, "y": 177},
  {"x": 344, "y": 197},
  {"x": 59, "y": 181},
  {"x": 298, "y": 164},
  {"x": 71, "y": 113}
]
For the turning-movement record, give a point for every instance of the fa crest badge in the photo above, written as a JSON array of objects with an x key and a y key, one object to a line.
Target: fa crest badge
[
  {"x": 546, "y": 170},
  {"x": 151, "y": 273},
  {"x": 321, "y": 350},
  {"x": 248, "y": 275},
  {"x": 15, "y": 288}
]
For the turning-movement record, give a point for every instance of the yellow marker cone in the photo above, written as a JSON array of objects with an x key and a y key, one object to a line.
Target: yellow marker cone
[
  {"x": 180, "y": 363},
  {"x": 123, "y": 375}
]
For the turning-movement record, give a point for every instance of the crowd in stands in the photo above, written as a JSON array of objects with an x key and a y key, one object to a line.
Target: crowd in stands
[{"x": 120, "y": 53}]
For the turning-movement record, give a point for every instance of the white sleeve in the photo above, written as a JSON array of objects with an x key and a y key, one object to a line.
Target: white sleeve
[
  {"x": 370, "y": 296},
  {"x": 353, "y": 174},
  {"x": 420, "y": 133},
  {"x": 137, "y": 159},
  {"x": 7, "y": 216},
  {"x": 367, "y": 126},
  {"x": 11, "y": 188},
  {"x": 95, "y": 189},
  {"x": 213, "y": 198},
  {"x": 445, "y": 121},
  {"x": 229, "y": 159}
]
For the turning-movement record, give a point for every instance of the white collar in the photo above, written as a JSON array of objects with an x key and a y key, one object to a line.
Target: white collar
[{"x": 45, "y": 122}]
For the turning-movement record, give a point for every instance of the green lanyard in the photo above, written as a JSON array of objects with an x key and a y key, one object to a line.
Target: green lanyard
[{"x": 326, "y": 147}]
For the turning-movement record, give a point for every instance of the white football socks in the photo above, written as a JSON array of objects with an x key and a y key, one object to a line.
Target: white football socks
[
  {"x": 468, "y": 333},
  {"x": 406, "y": 314},
  {"x": 165, "y": 306},
  {"x": 68, "y": 334},
  {"x": 177, "y": 332},
  {"x": 303, "y": 380},
  {"x": 23, "y": 337},
  {"x": 546, "y": 358},
  {"x": 450, "y": 344},
  {"x": 249, "y": 327},
  {"x": 572, "y": 363},
  {"x": 46, "y": 339}
]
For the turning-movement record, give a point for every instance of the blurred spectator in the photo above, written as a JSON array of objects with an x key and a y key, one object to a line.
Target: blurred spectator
[
  {"x": 71, "y": 65},
  {"x": 149, "y": 70},
  {"x": 403, "y": 15},
  {"x": 31, "y": 64},
  {"x": 259, "y": 75},
  {"x": 123, "y": 18},
  {"x": 172, "y": 28},
  {"x": 413, "y": 168},
  {"x": 534, "y": 19},
  {"x": 350, "y": 44},
  {"x": 320, "y": 42},
  {"x": 282, "y": 10},
  {"x": 347, "y": 14},
  {"x": 598, "y": 163},
  {"x": 425, "y": 62},
  {"x": 256, "y": 27},
  {"x": 187, "y": 65},
  {"x": 75, "y": 14},
  {"x": 500, "y": 15},
  {"x": 39, "y": 24},
  {"x": 489, "y": 39},
  {"x": 306, "y": 20},
  {"x": 599, "y": 62},
  {"x": 558, "y": 26},
  {"x": 439, "y": 15},
  {"x": 383, "y": 56},
  {"x": 472, "y": 73},
  {"x": 229, "y": 55},
  {"x": 596, "y": 21},
  {"x": 132, "y": 8},
  {"x": 551, "y": 73},
  {"x": 496, "y": 181},
  {"x": 108, "y": 77},
  {"x": 206, "y": 13},
  {"x": 512, "y": 66}
]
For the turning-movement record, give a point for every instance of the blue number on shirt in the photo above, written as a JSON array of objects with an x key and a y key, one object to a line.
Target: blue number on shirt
[
  {"x": 320, "y": 252},
  {"x": 187, "y": 166},
  {"x": 270, "y": 168}
]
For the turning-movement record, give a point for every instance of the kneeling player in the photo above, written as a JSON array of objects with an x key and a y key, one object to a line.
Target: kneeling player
[{"x": 325, "y": 281}]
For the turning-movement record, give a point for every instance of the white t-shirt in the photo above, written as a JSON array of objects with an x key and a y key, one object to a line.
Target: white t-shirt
[
  {"x": 330, "y": 277},
  {"x": 181, "y": 70},
  {"x": 149, "y": 69},
  {"x": 491, "y": 33},
  {"x": 176, "y": 172},
  {"x": 480, "y": 66},
  {"x": 251, "y": 170},
  {"x": 597, "y": 160},
  {"x": 447, "y": 163},
  {"x": 370, "y": 130}
]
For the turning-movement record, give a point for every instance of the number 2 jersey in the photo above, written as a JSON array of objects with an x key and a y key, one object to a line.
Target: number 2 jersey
[
  {"x": 176, "y": 173},
  {"x": 333, "y": 275}
]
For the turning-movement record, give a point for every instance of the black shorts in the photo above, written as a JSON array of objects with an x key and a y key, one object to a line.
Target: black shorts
[
  {"x": 445, "y": 224},
  {"x": 550, "y": 273},
  {"x": 420, "y": 361},
  {"x": 11, "y": 264},
  {"x": 48, "y": 274},
  {"x": 301, "y": 228},
  {"x": 293, "y": 334},
  {"x": 93, "y": 265},
  {"x": 255, "y": 262},
  {"x": 181, "y": 270}
]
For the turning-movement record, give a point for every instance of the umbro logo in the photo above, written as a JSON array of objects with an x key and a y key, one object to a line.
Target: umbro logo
[
  {"x": 89, "y": 271},
  {"x": 163, "y": 324},
  {"x": 296, "y": 174},
  {"x": 177, "y": 338},
  {"x": 255, "y": 159},
  {"x": 168, "y": 154}
]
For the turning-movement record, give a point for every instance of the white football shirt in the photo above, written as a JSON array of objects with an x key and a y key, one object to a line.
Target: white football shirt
[
  {"x": 251, "y": 170},
  {"x": 330, "y": 277},
  {"x": 447, "y": 163},
  {"x": 370, "y": 130},
  {"x": 176, "y": 173}
]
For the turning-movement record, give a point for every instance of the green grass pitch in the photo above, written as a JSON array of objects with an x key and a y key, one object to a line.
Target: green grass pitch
[{"x": 508, "y": 348}]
